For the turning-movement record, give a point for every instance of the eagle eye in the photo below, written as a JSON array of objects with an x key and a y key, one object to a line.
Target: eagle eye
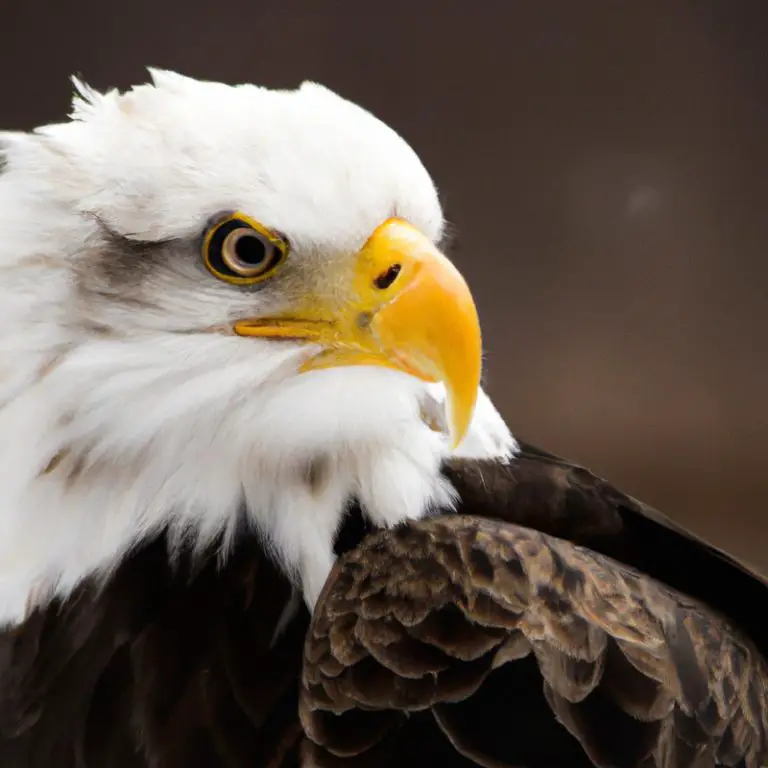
[{"x": 241, "y": 251}]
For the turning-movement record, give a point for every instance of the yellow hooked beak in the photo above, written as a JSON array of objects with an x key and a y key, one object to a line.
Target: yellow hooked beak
[{"x": 403, "y": 305}]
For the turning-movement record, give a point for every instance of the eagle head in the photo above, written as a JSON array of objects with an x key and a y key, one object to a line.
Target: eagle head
[{"x": 222, "y": 304}]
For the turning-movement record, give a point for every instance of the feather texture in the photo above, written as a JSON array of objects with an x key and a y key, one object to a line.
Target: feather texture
[
  {"x": 553, "y": 621},
  {"x": 164, "y": 666},
  {"x": 426, "y": 617}
]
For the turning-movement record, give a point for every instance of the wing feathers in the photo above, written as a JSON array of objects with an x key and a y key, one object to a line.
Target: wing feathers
[{"x": 635, "y": 671}]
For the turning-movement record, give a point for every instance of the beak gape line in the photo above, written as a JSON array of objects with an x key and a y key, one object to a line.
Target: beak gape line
[{"x": 405, "y": 306}]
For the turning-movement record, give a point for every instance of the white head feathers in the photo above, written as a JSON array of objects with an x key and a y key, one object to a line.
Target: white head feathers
[
  {"x": 120, "y": 413},
  {"x": 151, "y": 161}
]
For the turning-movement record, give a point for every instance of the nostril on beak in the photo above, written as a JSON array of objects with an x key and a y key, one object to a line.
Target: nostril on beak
[{"x": 385, "y": 279}]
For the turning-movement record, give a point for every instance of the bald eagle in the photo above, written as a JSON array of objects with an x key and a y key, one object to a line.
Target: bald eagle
[{"x": 255, "y": 506}]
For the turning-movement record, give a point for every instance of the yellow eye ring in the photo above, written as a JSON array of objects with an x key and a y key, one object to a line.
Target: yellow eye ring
[{"x": 239, "y": 250}]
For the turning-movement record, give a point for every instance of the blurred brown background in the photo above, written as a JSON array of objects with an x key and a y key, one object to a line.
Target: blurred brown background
[{"x": 605, "y": 165}]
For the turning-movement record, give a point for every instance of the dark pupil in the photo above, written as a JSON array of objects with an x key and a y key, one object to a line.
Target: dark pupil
[{"x": 250, "y": 250}]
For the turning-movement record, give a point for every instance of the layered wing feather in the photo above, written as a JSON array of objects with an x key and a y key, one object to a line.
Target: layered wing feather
[{"x": 450, "y": 614}]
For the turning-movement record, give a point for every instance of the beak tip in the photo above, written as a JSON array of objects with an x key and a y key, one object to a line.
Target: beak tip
[{"x": 460, "y": 418}]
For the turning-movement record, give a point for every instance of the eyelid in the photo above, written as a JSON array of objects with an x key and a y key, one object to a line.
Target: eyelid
[{"x": 271, "y": 234}]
